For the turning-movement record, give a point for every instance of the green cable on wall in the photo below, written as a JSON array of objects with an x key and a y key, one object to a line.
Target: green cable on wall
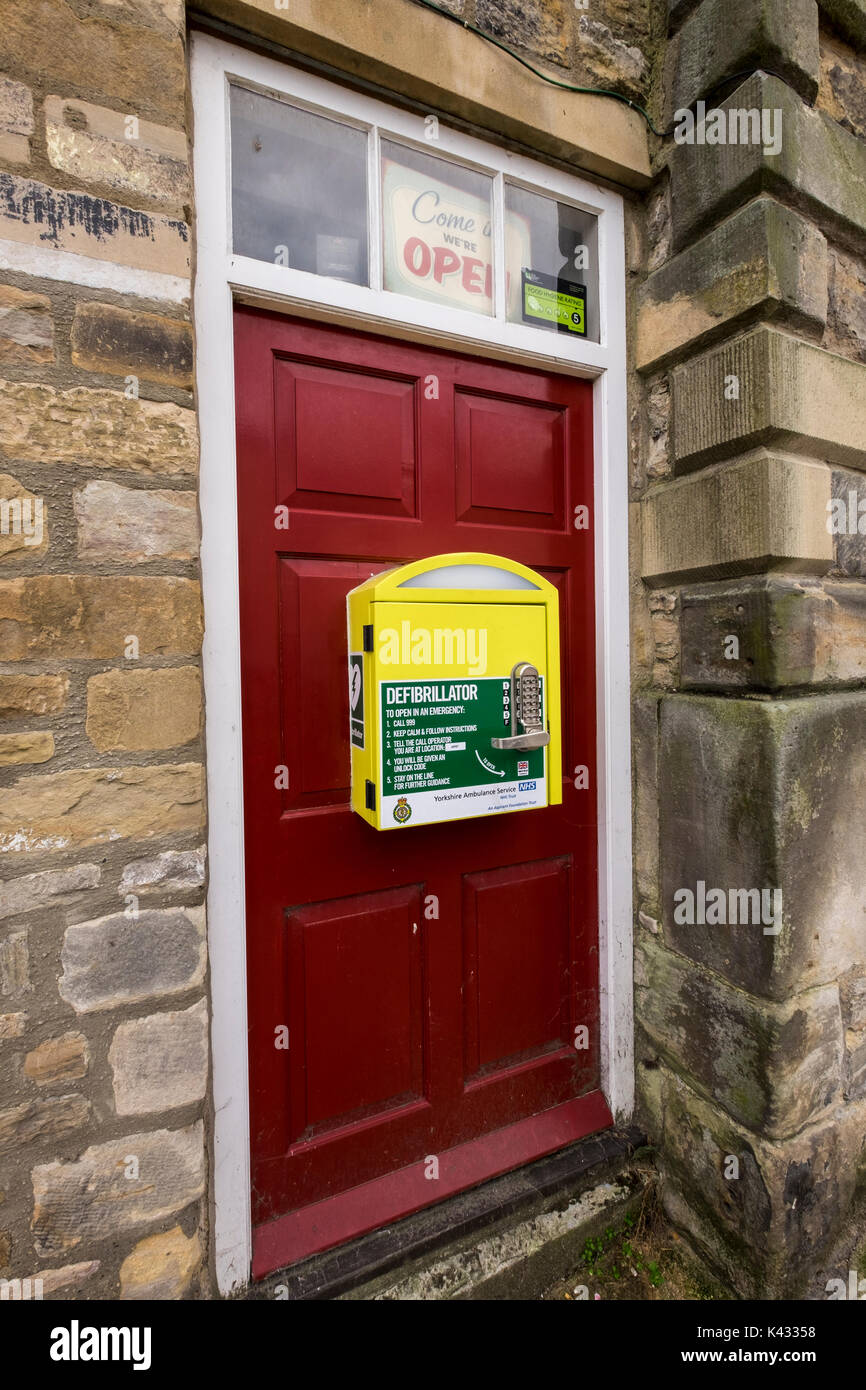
[{"x": 587, "y": 91}]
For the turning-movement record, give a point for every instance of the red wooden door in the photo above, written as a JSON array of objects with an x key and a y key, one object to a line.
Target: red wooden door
[{"x": 413, "y": 998}]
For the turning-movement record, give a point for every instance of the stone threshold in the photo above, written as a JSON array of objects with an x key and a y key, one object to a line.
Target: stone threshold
[{"x": 434, "y": 1233}]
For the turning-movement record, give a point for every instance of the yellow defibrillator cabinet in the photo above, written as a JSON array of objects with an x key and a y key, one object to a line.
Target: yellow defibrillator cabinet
[{"x": 454, "y": 706}]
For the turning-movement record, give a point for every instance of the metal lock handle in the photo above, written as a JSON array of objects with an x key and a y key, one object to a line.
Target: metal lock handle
[{"x": 527, "y": 730}]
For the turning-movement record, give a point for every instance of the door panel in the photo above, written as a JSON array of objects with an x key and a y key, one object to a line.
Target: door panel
[
  {"x": 516, "y": 924},
  {"x": 431, "y": 982},
  {"x": 510, "y": 461},
  {"x": 345, "y": 439},
  {"x": 312, "y": 636},
  {"x": 356, "y": 987}
]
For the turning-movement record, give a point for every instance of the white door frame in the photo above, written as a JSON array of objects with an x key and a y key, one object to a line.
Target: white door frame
[{"x": 222, "y": 277}]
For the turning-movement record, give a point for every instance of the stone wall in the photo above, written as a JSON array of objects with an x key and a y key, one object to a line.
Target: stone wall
[
  {"x": 749, "y": 446},
  {"x": 747, "y": 270},
  {"x": 103, "y": 1014},
  {"x": 599, "y": 43}
]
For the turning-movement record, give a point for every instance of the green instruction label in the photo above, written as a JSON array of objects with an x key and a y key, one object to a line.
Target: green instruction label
[{"x": 437, "y": 735}]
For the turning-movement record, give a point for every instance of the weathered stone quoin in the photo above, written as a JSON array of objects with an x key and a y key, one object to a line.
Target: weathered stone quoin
[
  {"x": 749, "y": 338},
  {"x": 746, "y": 298}
]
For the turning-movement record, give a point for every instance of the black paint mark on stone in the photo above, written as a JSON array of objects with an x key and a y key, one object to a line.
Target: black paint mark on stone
[{"x": 35, "y": 204}]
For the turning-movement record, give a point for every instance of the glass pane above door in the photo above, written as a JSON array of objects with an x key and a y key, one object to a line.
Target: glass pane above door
[
  {"x": 299, "y": 188},
  {"x": 438, "y": 229},
  {"x": 553, "y": 268}
]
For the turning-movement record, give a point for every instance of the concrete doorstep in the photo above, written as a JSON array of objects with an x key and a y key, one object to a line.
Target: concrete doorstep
[
  {"x": 520, "y": 1259},
  {"x": 509, "y": 1238}
]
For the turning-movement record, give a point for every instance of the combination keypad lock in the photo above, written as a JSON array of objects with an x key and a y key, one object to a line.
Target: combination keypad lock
[{"x": 527, "y": 730}]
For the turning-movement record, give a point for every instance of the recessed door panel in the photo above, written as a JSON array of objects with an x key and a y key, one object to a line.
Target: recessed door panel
[
  {"x": 356, "y": 990},
  {"x": 345, "y": 439},
  {"x": 516, "y": 995}
]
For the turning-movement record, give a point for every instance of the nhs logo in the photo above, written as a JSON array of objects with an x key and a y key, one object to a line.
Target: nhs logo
[{"x": 526, "y": 786}]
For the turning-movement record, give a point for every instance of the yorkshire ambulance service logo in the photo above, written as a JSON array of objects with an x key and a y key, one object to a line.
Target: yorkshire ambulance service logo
[{"x": 402, "y": 811}]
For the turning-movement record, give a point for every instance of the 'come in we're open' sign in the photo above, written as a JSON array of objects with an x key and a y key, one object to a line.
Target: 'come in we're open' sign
[{"x": 439, "y": 242}]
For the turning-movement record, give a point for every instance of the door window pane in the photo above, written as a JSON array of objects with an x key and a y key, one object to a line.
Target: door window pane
[
  {"x": 438, "y": 242},
  {"x": 299, "y": 188},
  {"x": 552, "y": 266}
]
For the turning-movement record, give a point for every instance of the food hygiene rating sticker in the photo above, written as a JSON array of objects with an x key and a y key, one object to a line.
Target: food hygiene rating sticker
[
  {"x": 437, "y": 759},
  {"x": 560, "y": 304}
]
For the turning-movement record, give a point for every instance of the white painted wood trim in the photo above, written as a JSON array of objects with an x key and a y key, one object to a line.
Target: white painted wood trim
[
  {"x": 219, "y": 276},
  {"x": 212, "y": 304}
]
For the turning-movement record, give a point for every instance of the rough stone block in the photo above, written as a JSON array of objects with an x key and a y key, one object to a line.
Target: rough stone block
[
  {"x": 764, "y": 259},
  {"x": 143, "y": 709},
  {"x": 855, "y": 1066},
  {"x": 847, "y": 523},
  {"x": 16, "y": 107},
  {"x": 23, "y": 524},
  {"x": 774, "y": 1067},
  {"x": 46, "y": 1283},
  {"x": 756, "y": 796},
  {"x": 756, "y": 514},
  {"x": 821, "y": 167},
  {"x": 90, "y": 616},
  {"x": 16, "y": 120},
  {"x": 26, "y": 748},
  {"x": 846, "y": 314},
  {"x": 58, "y": 1059},
  {"x": 92, "y": 806},
  {"x": 47, "y": 1118},
  {"x": 22, "y": 695},
  {"x": 115, "y": 1187},
  {"x": 162, "y": 1266},
  {"x": 26, "y": 327},
  {"x": 765, "y": 1228},
  {"x": 852, "y": 992},
  {"x": 96, "y": 429},
  {"x": 98, "y": 145},
  {"x": 56, "y": 1282},
  {"x": 119, "y": 959},
  {"x": 542, "y": 28},
  {"x": 777, "y": 34},
  {"x": 35, "y": 214},
  {"x": 610, "y": 60},
  {"x": 666, "y": 639},
  {"x": 787, "y": 635},
  {"x": 134, "y": 525},
  {"x": 14, "y": 964},
  {"x": 172, "y": 871},
  {"x": 850, "y": 17},
  {"x": 160, "y": 1062},
  {"x": 645, "y": 735},
  {"x": 842, "y": 92},
  {"x": 769, "y": 389},
  {"x": 114, "y": 55},
  {"x": 52, "y": 888},
  {"x": 12, "y": 1026},
  {"x": 107, "y": 338}
]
